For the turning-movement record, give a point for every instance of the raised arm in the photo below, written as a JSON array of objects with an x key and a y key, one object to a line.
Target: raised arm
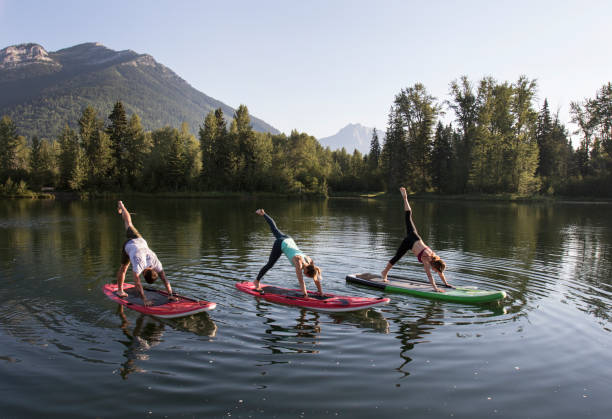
[{"x": 125, "y": 214}]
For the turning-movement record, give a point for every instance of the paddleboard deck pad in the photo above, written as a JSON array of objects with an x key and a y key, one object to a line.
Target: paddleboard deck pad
[
  {"x": 424, "y": 289},
  {"x": 162, "y": 306},
  {"x": 329, "y": 303}
]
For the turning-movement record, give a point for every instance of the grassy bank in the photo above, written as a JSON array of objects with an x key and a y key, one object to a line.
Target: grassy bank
[
  {"x": 63, "y": 195},
  {"x": 469, "y": 197}
]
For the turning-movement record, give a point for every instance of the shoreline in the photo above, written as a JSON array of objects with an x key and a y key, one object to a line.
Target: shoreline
[{"x": 75, "y": 196}]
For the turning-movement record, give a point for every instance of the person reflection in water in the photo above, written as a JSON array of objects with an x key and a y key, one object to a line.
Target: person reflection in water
[
  {"x": 146, "y": 334},
  {"x": 423, "y": 253},
  {"x": 135, "y": 250}
]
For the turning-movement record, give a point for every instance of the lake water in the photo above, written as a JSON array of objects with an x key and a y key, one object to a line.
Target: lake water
[{"x": 543, "y": 352}]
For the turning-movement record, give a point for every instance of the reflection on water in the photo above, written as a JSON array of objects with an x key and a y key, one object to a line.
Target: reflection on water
[
  {"x": 547, "y": 341},
  {"x": 302, "y": 335},
  {"x": 146, "y": 334}
]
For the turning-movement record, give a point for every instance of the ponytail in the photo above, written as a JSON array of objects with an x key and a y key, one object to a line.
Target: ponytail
[
  {"x": 311, "y": 270},
  {"x": 438, "y": 264}
]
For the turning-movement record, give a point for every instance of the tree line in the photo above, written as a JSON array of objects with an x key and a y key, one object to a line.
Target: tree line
[{"x": 498, "y": 142}]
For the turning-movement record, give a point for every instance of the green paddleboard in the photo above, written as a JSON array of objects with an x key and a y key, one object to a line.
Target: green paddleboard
[{"x": 424, "y": 289}]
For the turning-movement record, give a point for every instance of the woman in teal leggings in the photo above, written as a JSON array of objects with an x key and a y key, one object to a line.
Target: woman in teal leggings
[{"x": 285, "y": 244}]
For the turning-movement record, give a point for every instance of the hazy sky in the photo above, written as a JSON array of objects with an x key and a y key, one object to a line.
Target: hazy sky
[{"x": 316, "y": 66}]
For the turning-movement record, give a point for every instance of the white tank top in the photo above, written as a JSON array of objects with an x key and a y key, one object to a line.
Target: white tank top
[{"x": 141, "y": 256}]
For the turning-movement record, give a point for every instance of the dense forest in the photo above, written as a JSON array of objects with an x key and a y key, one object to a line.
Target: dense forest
[{"x": 498, "y": 143}]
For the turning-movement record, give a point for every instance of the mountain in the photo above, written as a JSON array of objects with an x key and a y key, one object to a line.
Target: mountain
[
  {"x": 42, "y": 91},
  {"x": 351, "y": 137}
]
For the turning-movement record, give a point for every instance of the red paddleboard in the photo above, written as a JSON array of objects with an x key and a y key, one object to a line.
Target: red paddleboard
[
  {"x": 319, "y": 302},
  {"x": 162, "y": 306}
]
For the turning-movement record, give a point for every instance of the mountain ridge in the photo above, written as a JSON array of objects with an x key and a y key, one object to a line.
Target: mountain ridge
[
  {"x": 42, "y": 91},
  {"x": 351, "y": 137}
]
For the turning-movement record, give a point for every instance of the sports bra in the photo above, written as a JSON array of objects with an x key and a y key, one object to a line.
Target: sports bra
[{"x": 421, "y": 253}]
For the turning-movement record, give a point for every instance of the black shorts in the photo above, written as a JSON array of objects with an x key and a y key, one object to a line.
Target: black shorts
[{"x": 131, "y": 233}]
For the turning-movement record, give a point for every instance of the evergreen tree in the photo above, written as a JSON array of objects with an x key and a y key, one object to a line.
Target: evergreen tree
[
  {"x": 374, "y": 156},
  {"x": 97, "y": 153},
  {"x": 442, "y": 158},
  {"x": 117, "y": 131},
  {"x": 524, "y": 148},
  {"x": 373, "y": 178},
  {"x": 137, "y": 147},
  {"x": 254, "y": 151},
  {"x": 208, "y": 144},
  {"x": 418, "y": 113},
  {"x": 99, "y": 160},
  {"x": 594, "y": 155},
  {"x": 395, "y": 152},
  {"x": 555, "y": 151},
  {"x": 78, "y": 176},
  {"x": 35, "y": 163},
  {"x": 89, "y": 123},
  {"x": 464, "y": 104},
  {"x": 43, "y": 167},
  {"x": 582, "y": 118},
  {"x": 71, "y": 165},
  {"x": 174, "y": 161},
  {"x": 545, "y": 143},
  {"x": 191, "y": 156},
  {"x": 8, "y": 148},
  {"x": 226, "y": 154}
]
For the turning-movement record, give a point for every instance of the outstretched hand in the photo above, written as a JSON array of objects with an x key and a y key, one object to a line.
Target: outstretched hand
[
  {"x": 403, "y": 191},
  {"x": 260, "y": 211}
]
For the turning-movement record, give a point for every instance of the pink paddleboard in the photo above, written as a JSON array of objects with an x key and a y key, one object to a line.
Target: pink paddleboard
[
  {"x": 319, "y": 302},
  {"x": 162, "y": 306}
]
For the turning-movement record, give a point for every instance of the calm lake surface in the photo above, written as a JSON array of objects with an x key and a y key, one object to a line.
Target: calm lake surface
[{"x": 543, "y": 352}]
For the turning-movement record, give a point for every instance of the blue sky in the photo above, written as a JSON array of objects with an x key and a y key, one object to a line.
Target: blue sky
[{"x": 316, "y": 66}]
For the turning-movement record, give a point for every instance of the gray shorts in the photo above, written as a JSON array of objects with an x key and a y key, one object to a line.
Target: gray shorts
[{"x": 131, "y": 233}]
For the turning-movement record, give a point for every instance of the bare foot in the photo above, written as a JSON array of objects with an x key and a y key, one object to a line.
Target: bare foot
[
  {"x": 256, "y": 285},
  {"x": 122, "y": 294},
  {"x": 383, "y": 275}
]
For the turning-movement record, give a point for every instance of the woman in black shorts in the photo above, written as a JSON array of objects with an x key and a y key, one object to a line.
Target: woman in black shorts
[{"x": 423, "y": 253}]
